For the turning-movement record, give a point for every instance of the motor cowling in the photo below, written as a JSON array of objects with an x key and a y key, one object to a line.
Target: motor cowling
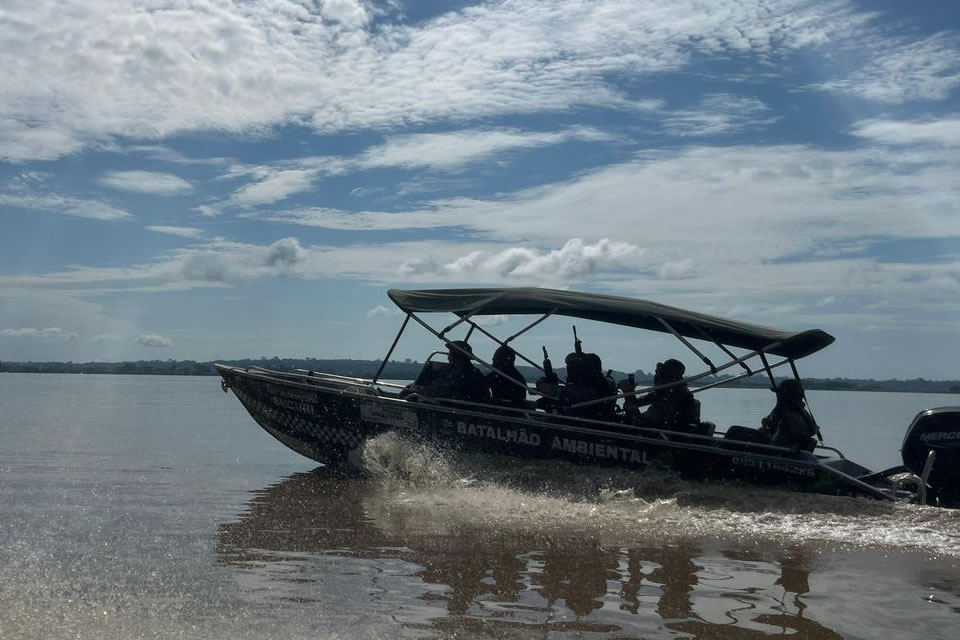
[{"x": 936, "y": 430}]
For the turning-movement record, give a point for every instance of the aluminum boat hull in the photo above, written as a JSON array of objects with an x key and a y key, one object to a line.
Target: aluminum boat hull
[{"x": 327, "y": 419}]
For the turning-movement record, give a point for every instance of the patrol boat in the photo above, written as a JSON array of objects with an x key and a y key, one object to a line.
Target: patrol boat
[{"x": 327, "y": 417}]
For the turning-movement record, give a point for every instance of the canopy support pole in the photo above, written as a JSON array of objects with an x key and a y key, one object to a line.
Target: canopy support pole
[
  {"x": 723, "y": 348},
  {"x": 528, "y": 327},
  {"x": 392, "y": 347},
  {"x": 740, "y": 376},
  {"x": 679, "y": 337},
  {"x": 502, "y": 343},
  {"x": 766, "y": 367},
  {"x": 463, "y": 318}
]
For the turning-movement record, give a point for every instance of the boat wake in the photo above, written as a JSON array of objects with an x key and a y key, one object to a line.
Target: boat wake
[{"x": 425, "y": 490}]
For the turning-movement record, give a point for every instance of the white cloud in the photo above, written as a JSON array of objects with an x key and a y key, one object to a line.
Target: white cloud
[
  {"x": 166, "y": 154},
  {"x": 942, "y": 132},
  {"x": 575, "y": 259},
  {"x": 218, "y": 263},
  {"x": 495, "y": 320},
  {"x": 381, "y": 310},
  {"x": 20, "y": 142},
  {"x": 154, "y": 340},
  {"x": 453, "y": 149},
  {"x": 358, "y": 220},
  {"x": 275, "y": 186},
  {"x": 686, "y": 268},
  {"x": 897, "y": 72},
  {"x": 64, "y": 204},
  {"x": 347, "y": 12},
  {"x": 184, "y": 232},
  {"x": 162, "y": 184},
  {"x": 445, "y": 151},
  {"x": 43, "y": 334},
  {"x": 720, "y": 113},
  {"x": 120, "y": 68}
]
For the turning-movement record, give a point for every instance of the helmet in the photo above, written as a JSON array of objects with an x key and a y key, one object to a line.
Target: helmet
[
  {"x": 504, "y": 356},
  {"x": 670, "y": 370},
  {"x": 790, "y": 390}
]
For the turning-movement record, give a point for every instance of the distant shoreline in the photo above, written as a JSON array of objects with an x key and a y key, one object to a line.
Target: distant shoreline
[{"x": 408, "y": 370}]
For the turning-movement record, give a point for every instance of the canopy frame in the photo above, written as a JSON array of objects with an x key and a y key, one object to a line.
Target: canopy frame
[{"x": 479, "y": 301}]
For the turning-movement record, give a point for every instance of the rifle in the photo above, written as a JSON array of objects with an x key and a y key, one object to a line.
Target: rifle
[
  {"x": 577, "y": 345},
  {"x": 548, "y": 373}
]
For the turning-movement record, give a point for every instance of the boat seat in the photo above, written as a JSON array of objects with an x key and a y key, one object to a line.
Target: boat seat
[{"x": 746, "y": 434}]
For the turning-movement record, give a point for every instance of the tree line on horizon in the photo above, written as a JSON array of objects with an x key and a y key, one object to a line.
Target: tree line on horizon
[{"x": 409, "y": 369}]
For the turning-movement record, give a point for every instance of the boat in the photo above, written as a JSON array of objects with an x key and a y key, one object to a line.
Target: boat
[{"x": 328, "y": 417}]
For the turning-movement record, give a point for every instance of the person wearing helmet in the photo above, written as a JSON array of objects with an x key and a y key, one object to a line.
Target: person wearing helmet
[
  {"x": 462, "y": 381},
  {"x": 586, "y": 382},
  {"x": 458, "y": 380},
  {"x": 790, "y": 424},
  {"x": 672, "y": 407},
  {"x": 501, "y": 387}
]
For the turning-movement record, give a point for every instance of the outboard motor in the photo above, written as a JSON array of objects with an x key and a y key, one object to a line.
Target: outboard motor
[{"x": 936, "y": 432}]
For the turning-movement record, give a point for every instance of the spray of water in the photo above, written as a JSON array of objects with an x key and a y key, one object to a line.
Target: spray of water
[{"x": 624, "y": 507}]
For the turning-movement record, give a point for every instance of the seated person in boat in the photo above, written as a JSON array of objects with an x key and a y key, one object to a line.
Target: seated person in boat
[
  {"x": 585, "y": 382},
  {"x": 674, "y": 407},
  {"x": 503, "y": 388},
  {"x": 460, "y": 380},
  {"x": 790, "y": 424}
]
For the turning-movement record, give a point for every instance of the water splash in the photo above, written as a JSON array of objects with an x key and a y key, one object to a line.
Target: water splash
[
  {"x": 626, "y": 507},
  {"x": 392, "y": 459}
]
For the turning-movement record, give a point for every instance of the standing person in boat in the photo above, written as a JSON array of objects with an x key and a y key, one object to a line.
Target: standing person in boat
[
  {"x": 674, "y": 407},
  {"x": 790, "y": 424},
  {"x": 501, "y": 388}
]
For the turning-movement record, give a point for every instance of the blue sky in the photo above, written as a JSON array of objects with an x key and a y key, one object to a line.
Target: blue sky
[{"x": 213, "y": 179}]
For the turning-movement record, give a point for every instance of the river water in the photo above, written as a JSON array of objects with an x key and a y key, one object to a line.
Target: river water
[{"x": 153, "y": 507}]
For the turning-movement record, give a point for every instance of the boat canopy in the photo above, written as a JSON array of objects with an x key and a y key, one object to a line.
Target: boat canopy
[{"x": 627, "y": 312}]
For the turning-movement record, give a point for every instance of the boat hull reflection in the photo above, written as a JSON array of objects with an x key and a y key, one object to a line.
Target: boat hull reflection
[{"x": 313, "y": 538}]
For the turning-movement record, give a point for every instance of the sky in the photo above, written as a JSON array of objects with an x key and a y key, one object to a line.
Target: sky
[{"x": 216, "y": 179}]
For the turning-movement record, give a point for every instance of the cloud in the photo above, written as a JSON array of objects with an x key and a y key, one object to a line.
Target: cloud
[
  {"x": 678, "y": 270},
  {"x": 275, "y": 186},
  {"x": 154, "y": 340},
  {"x": 720, "y": 113},
  {"x": 166, "y": 154},
  {"x": 359, "y": 220},
  {"x": 65, "y": 205},
  {"x": 184, "y": 232},
  {"x": 942, "y": 132},
  {"x": 121, "y": 69},
  {"x": 20, "y": 142},
  {"x": 42, "y": 334},
  {"x": 898, "y": 72},
  {"x": 161, "y": 184},
  {"x": 347, "y": 12},
  {"x": 495, "y": 320},
  {"x": 454, "y": 149},
  {"x": 215, "y": 264},
  {"x": 575, "y": 259},
  {"x": 381, "y": 310},
  {"x": 446, "y": 151}
]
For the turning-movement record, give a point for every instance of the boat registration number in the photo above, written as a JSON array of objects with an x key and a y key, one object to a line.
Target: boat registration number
[
  {"x": 769, "y": 465},
  {"x": 381, "y": 414}
]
